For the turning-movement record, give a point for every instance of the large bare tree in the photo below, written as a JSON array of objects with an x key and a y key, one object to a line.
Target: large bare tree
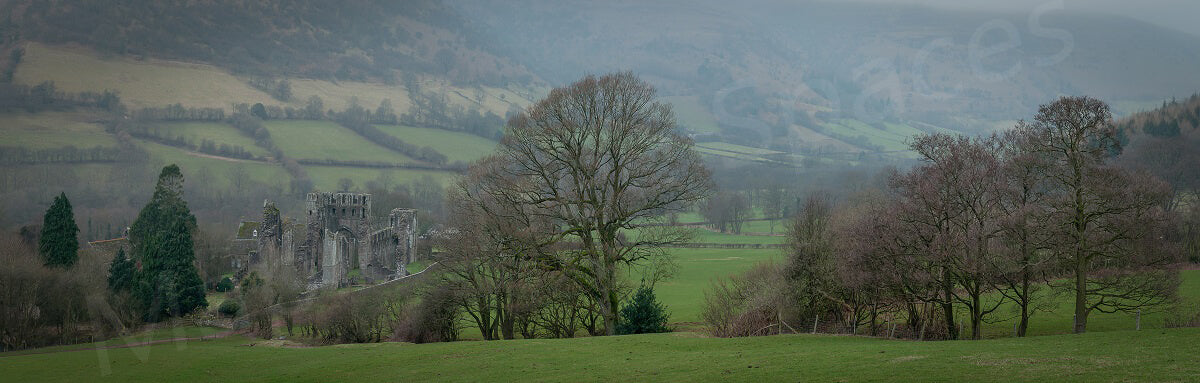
[
  {"x": 598, "y": 157},
  {"x": 1110, "y": 221}
]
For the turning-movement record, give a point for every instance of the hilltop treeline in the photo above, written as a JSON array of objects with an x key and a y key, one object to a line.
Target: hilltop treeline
[
  {"x": 46, "y": 96},
  {"x": 356, "y": 40},
  {"x": 1170, "y": 120}
]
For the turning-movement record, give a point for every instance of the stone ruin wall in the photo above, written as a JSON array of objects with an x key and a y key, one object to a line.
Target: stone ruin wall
[{"x": 339, "y": 235}]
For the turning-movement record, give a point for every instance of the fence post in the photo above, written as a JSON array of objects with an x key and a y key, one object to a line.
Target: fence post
[
  {"x": 816, "y": 319},
  {"x": 1139, "y": 320}
]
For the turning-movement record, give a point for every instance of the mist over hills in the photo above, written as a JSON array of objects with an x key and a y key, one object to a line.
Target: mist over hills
[{"x": 772, "y": 71}]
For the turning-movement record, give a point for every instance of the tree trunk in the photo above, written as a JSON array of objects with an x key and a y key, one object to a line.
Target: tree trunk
[
  {"x": 506, "y": 316},
  {"x": 976, "y": 317},
  {"x": 1024, "y": 325},
  {"x": 948, "y": 304},
  {"x": 1080, "y": 298}
]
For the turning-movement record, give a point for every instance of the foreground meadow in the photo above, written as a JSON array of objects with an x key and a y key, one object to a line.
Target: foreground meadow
[{"x": 1158, "y": 355}]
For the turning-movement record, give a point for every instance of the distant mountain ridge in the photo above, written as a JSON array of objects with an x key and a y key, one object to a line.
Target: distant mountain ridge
[{"x": 768, "y": 73}]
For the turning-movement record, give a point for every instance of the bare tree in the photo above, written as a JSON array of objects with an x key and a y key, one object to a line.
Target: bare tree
[
  {"x": 725, "y": 211},
  {"x": 1109, "y": 219},
  {"x": 598, "y": 157},
  {"x": 1025, "y": 258},
  {"x": 489, "y": 258}
]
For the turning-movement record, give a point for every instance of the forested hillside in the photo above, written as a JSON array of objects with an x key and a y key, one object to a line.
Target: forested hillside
[{"x": 346, "y": 40}]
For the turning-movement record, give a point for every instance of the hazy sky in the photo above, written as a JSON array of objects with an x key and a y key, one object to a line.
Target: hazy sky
[{"x": 1183, "y": 15}]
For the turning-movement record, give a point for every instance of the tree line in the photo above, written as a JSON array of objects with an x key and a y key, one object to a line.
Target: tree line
[
  {"x": 54, "y": 296},
  {"x": 46, "y": 96},
  {"x": 1010, "y": 219}
]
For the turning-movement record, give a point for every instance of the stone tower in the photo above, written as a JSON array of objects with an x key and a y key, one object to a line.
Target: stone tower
[{"x": 336, "y": 234}]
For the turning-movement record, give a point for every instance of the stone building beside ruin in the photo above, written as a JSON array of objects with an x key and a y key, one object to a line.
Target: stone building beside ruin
[{"x": 339, "y": 243}]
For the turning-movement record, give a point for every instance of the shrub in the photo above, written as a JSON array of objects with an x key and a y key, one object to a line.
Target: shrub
[
  {"x": 229, "y": 308},
  {"x": 643, "y": 314},
  {"x": 225, "y": 285},
  {"x": 744, "y": 304},
  {"x": 434, "y": 319}
]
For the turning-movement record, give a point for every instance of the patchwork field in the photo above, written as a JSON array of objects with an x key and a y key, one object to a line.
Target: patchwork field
[
  {"x": 456, "y": 146},
  {"x": 218, "y": 170},
  {"x": 52, "y": 130},
  {"x": 154, "y": 82},
  {"x": 216, "y": 132},
  {"x": 319, "y": 140},
  {"x": 140, "y": 83}
]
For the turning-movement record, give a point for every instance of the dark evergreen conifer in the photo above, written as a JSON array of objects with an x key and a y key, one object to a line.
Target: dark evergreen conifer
[
  {"x": 167, "y": 283},
  {"x": 59, "y": 241}
]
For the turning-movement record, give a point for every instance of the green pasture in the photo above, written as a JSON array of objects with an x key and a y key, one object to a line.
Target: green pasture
[
  {"x": 1160, "y": 355},
  {"x": 218, "y": 133},
  {"x": 52, "y": 130},
  {"x": 456, "y": 146},
  {"x": 698, "y": 268},
  {"x": 219, "y": 171},
  {"x": 320, "y": 140}
]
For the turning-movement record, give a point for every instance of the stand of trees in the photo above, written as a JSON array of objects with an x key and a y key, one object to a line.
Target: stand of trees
[
  {"x": 560, "y": 200},
  {"x": 980, "y": 222},
  {"x": 46, "y": 96}
]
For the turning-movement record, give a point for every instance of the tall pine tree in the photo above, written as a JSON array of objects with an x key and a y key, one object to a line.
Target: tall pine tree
[
  {"x": 166, "y": 283},
  {"x": 59, "y": 241}
]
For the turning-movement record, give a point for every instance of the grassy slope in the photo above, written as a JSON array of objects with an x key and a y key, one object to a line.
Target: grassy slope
[
  {"x": 161, "y": 155},
  {"x": 212, "y": 131},
  {"x": 683, "y": 295},
  {"x": 1168, "y": 355},
  {"x": 52, "y": 130},
  {"x": 326, "y": 140},
  {"x": 153, "y": 82},
  {"x": 141, "y": 83},
  {"x": 456, "y": 146}
]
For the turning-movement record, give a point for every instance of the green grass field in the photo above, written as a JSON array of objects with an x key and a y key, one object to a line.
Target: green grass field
[
  {"x": 894, "y": 138},
  {"x": 709, "y": 236},
  {"x": 321, "y": 140},
  {"x": 684, "y": 293},
  {"x": 779, "y": 227},
  {"x": 1161, "y": 355},
  {"x": 212, "y": 131},
  {"x": 724, "y": 146},
  {"x": 456, "y": 146},
  {"x": 52, "y": 130},
  {"x": 192, "y": 164}
]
